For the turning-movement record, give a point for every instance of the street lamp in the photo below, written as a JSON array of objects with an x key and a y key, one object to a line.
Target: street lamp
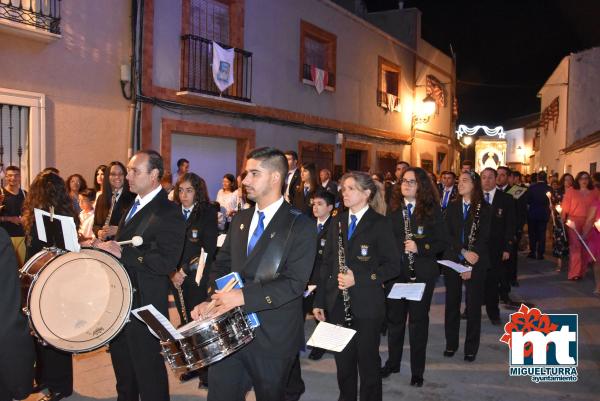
[{"x": 467, "y": 140}]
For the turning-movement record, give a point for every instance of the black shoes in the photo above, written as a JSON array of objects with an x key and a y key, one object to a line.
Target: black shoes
[
  {"x": 470, "y": 358},
  {"x": 463, "y": 315},
  {"x": 449, "y": 353},
  {"x": 496, "y": 322},
  {"x": 386, "y": 371},
  {"x": 416, "y": 381},
  {"x": 53, "y": 396},
  {"x": 316, "y": 354},
  {"x": 184, "y": 377}
]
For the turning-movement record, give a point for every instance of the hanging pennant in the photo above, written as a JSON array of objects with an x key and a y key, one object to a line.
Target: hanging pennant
[
  {"x": 319, "y": 77},
  {"x": 222, "y": 66}
]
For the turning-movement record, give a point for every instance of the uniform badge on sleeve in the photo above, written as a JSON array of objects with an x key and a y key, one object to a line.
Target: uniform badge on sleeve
[
  {"x": 194, "y": 234},
  {"x": 420, "y": 230},
  {"x": 499, "y": 212}
]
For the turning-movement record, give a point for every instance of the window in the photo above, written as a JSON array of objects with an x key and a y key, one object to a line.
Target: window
[
  {"x": 388, "y": 85},
  {"x": 318, "y": 50},
  {"x": 210, "y": 20}
]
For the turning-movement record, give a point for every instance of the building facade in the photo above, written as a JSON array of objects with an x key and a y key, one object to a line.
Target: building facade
[
  {"x": 343, "y": 88},
  {"x": 568, "y": 137}
]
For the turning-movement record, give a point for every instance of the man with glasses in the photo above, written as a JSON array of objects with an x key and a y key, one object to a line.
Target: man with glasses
[{"x": 135, "y": 352}]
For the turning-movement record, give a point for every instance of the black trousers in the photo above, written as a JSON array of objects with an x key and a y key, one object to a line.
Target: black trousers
[
  {"x": 493, "y": 280},
  {"x": 138, "y": 365},
  {"x": 361, "y": 356},
  {"x": 54, "y": 369},
  {"x": 231, "y": 378},
  {"x": 397, "y": 312},
  {"x": 537, "y": 236},
  {"x": 474, "y": 299},
  {"x": 193, "y": 295}
]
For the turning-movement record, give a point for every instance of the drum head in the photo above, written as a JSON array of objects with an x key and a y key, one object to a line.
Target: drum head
[{"x": 80, "y": 301}]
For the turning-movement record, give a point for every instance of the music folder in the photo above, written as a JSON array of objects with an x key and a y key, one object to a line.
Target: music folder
[{"x": 56, "y": 230}]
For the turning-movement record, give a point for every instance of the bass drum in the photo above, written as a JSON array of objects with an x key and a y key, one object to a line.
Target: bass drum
[{"x": 76, "y": 301}]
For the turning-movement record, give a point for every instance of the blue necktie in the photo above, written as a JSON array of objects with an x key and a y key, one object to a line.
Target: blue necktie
[
  {"x": 319, "y": 228},
  {"x": 260, "y": 228},
  {"x": 352, "y": 226},
  {"x": 132, "y": 211},
  {"x": 445, "y": 201},
  {"x": 409, "y": 209},
  {"x": 186, "y": 214},
  {"x": 305, "y": 191},
  {"x": 487, "y": 197},
  {"x": 465, "y": 214}
]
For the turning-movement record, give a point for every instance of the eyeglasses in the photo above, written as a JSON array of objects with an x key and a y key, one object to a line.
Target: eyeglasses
[{"x": 410, "y": 183}]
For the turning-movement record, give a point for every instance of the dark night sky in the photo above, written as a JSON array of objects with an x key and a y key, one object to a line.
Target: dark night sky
[{"x": 505, "y": 49}]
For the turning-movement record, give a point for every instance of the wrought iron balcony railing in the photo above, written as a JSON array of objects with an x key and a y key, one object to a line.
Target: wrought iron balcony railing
[
  {"x": 196, "y": 69},
  {"x": 42, "y": 14}
]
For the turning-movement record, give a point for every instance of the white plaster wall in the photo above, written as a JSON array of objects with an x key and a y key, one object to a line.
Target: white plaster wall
[{"x": 584, "y": 102}]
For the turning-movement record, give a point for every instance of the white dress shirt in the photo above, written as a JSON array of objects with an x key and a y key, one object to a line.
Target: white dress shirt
[
  {"x": 144, "y": 201},
  {"x": 492, "y": 193},
  {"x": 358, "y": 215},
  {"x": 269, "y": 212}
]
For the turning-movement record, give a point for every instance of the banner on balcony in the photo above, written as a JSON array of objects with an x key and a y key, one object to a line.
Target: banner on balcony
[
  {"x": 319, "y": 77},
  {"x": 222, "y": 66}
]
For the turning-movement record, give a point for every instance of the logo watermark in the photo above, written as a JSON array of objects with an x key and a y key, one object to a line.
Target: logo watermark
[{"x": 542, "y": 346}]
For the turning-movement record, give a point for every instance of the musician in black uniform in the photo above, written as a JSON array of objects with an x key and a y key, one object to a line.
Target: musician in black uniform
[
  {"x": 415, "y": 206},
  {"x": 469, "y": 246},
  {"x": 305, "y": 189},
  {"x": 17, "y": 355},
  {"x": 502, "y": 240},
  {"x": 323, "y": 203},
  {"x": 292, "y": 177},
  {"x": 200, "y": 234},
  {"x": 115, "y": 189},
  {"x": 54, "y": 368},
  {"x": 272, "y": 247},
  {"x": 447, "y": 188},
  {"x": 135, "y": 352},
  {"x": 372, "y": 258}
]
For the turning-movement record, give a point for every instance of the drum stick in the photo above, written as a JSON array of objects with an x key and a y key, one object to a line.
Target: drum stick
[
  {"x": 135, "y": 241},
  {"x": 228, "y": 287}
]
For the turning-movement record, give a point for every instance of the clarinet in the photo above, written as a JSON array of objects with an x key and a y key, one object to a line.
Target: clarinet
[
  {"x": 348, "y": 317},
  {"x": 408, "y": 235},
  {"x": 182, "y": 302},
  {"x": 473, "y": 232}
]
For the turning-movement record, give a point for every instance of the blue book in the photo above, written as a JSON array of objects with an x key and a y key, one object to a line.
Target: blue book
[{"x": 222, "y": 282}]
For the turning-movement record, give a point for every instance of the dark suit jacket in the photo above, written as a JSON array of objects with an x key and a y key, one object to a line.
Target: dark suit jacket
[
  {"x": 503, "y": 232},
  {"x": 294, "y": 182},
  {"x": 321, "y": 245},
  {"x": 277, "y": 300},
  {"x": 17, "y": 354},
  {"x": 538, "y": 202},
  {"x": 201, "y": 231},
  {"x": 101, "y": 212},
  {"x": 150, "y": 264},
  {"x": 453, "y": 194},
  {"x": 372, "y": 256},
  {"x": 455, "y": 227},
  {"x": 332, "y": 187},
  {"x": 301, "y": 201},
  {"x": 431, "y": 238}
]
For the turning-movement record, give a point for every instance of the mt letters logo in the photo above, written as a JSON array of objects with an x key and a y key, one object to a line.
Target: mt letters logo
[{"x": 542, "y": 346}]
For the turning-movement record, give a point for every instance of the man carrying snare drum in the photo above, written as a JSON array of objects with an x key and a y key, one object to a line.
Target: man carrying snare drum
[{"x": 272, "y": 290}]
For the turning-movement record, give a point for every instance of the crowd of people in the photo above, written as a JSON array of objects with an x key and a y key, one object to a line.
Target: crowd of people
[{"x": 353, "y": 239}]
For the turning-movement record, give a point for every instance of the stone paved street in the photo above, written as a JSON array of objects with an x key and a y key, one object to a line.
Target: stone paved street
[{"x": 445, "y": 379}]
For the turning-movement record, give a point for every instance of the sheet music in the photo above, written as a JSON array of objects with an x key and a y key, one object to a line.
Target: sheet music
[
  {"x": 408, "y": 291},
  {"x": 309, "y": 289},
  {"x": 201, "y": 265},
  {"x": 69, "y": 231},
  {"x": 221, "y": 240},
  {"x": 161, "y": 319},
  {"x": 455, "y": 266},
  {"x": 331, "y": 337}
]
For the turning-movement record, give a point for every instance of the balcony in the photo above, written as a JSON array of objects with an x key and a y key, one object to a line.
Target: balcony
[
  {"x": 196, "y": 70},
  {"x": 35, "y": 18}
]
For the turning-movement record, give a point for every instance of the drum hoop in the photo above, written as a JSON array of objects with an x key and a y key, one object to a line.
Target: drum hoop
[
  {"x": 208, "y": 322},
  {"x": 126, "y": 310}
]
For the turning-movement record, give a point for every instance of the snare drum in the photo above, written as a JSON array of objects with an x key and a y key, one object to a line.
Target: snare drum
[
  {"x": 208, "y": 341},
  {"x": 76, "y": 301}
]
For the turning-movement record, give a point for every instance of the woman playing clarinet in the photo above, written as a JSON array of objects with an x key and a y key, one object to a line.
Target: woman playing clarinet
[
  {"x": 420, "y": 234},
  {"x": 468, "y": 224},
  {"x": 360, "y": 255}
]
